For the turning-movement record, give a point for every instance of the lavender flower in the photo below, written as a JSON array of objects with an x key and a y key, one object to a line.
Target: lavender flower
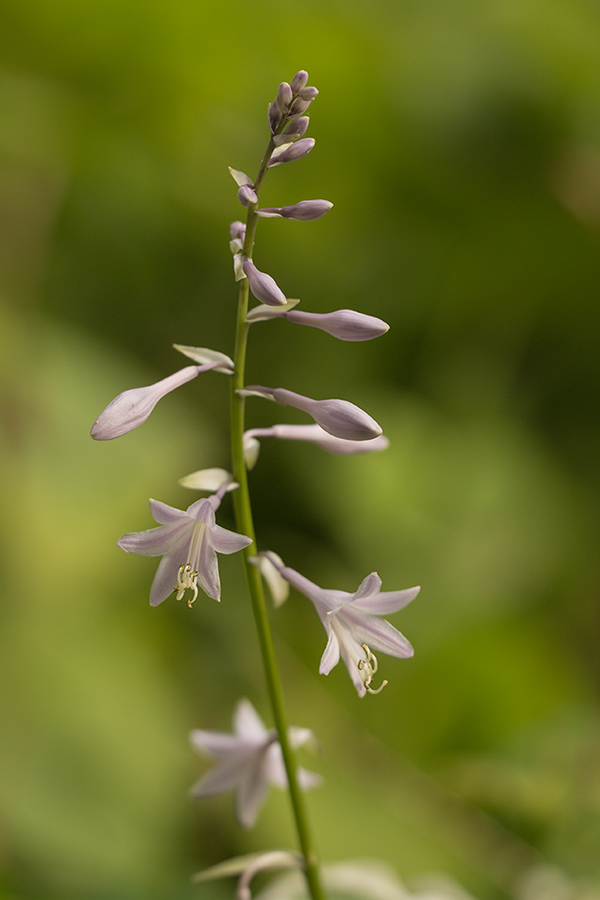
[
  {"x": 188, "y": 543},
  {"x": 246, "y": 195},
  {"x": 248, "y": 761},
  {"x": 344, "y": 324},
  {"x": 131, "y": 408},
  {"x": 340, "y": 418},
  {"x": 287, "y": 153},
  {"x": 284, "y": 96},
  {"x": 314, "y": 434},
  {"x": 296, "y": 128},
  {"x": 304, "y": 211},
  {"x": 263, "y": 286},
  {"x": 352, "y": 624},
  {"x": 299, "y": 81}
]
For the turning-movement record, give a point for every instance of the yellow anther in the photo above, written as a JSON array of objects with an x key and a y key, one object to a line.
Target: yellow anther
[{"x": 367, "y": 668}]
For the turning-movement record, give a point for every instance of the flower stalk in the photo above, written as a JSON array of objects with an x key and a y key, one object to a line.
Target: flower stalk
[{"x": 245, "y": 524}]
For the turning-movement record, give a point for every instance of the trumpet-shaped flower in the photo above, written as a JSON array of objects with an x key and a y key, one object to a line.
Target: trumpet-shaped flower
[
  {"x": 188, "y": 542},
  {"x": 352, "y": 624},
  {"x": 249, "y": 760}
]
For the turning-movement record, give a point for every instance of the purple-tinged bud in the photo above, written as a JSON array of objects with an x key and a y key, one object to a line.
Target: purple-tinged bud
[
  {"x": 345, "y": 324},
  {"x": 314, "y": 434},
  {"x": 237, "y": 230},
  {"x": 289, "y": 153},
  {"x": 340, "y": 418},
  {"x": 299, "y": 106},
  {"x": 284, "y": 96},
  {"x": 246, "y": 195},
  {"x": 275, "y": 116},
  {"x": 132, "y": 408},
  {"x": 304, "y": 211},
  {"x": 299, "y": 81},
  {"x": 297, "y": 128},
  {"x": 308, "y": 93},
  {"x": 263, "y": 286}
]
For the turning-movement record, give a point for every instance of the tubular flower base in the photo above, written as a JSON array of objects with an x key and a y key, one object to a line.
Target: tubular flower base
[
  {"x": 352, "y": 624},
  {"x": 249, "y": 760},
  {"x": 188, "y": 543}
]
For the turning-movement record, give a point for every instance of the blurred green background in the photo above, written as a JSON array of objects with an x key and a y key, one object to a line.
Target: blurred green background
[{"x": 460, "y": 143}]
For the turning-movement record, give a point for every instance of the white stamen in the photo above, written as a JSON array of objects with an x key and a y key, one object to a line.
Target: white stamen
[
  {"x": 186, "y": 580},
  {"x": 367, "y": 669}
]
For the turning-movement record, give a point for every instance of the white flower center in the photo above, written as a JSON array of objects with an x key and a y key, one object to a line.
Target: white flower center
[{"x": 186, "y": 579}]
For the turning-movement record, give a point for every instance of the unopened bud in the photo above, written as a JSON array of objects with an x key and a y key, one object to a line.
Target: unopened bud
[
  {"x": 263, "y": 286},
  {"x": 237, "y": 230},
  {"x": 299, "y": 81},
  {"x": 345, "y": 324},
  {"x": 275, "y": 116},
  {"x": 284, "y": 96},
  {"x": 314, "y": 434},
  {"x": 299, "y": 106},
  {"x": 289, "y": 153},
  {"x": 246, "y": 195},
  {"x": 304, "y": 211},
  {"x": 131, "y": 408},
  {"x": 297, "y": 128},
  {"x": 308, "y": 93}
]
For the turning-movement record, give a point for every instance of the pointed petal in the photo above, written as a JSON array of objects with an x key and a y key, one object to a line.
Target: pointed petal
[
  {"x": 202, "y": 511},
  {"x": 369, "y": 585},
  {"x": 247, "y": 723},
  {"x": 208, "y": 571},
  {"x": 377, "y": 633},
  {"x": 353, "y": 672},
  {"x": 276, "y": 766},
  {"x": 386, "y": 602},
  {"x": 165, "y": 579},
  {"x": 233, "y": 769},
  {"x": 165, "y": 514},
  {"x": 331, "y": 655},
  {"x": 251, "y": 792},
  {"x": 156, "y": 541},
  {"x": 225, "y": 541},
  {"x": 213, "y": 743}
]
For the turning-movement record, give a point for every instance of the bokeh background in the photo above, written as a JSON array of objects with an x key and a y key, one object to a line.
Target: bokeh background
[{"x": 460, "y": 143}]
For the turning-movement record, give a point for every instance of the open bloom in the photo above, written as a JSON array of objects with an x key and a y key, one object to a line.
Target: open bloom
[
  {"x": 249, "y": 760},
  {"x": 352, "y": 624},
  {"x": 188, "y": 542}
]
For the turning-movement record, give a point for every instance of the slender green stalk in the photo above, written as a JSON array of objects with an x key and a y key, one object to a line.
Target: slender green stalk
[{"x": 245, "y": 525}]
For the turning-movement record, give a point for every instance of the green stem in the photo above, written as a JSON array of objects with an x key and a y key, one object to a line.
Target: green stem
[{"x": 245, "y": 525}]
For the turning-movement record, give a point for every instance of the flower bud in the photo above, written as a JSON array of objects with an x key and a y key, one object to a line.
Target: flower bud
[
  {"x": 290, "y": 152},
  {"x": 314, "y": 434},
  {"x": 340, "y": 418},
  {"x": 275, "y": 116},
  {"x": 304, "y": 211},
  {"x": 284, "y": 96},
  {"x": 246, "y": 195},
  {"x": 299, "y": 81},
  {"x": 308, "y": 93},
  {"x": 132, "y": 408},
  {"x": 297, "y": 128},
  {"x": 345, "y": 324},
  {"x": 237, "y": 230},
  {"x": 263, "y": 286},
  {"x": 299, "y": 106}
]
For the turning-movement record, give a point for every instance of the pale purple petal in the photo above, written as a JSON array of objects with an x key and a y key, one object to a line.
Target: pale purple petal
[
  {"x": 353, "y": 672},
  {"x": 213, "y": 743},
  {"x": 208, "y": 571},
  {"x": 230, "y": 772},
  {"x": 165, "y": 580},
  {"x": 225, "y": 541},
  {"x": 345, "y": 324},
  {"x": 156, "y": 541},
  {"x": 314, "y": 434},
  {"x": 338, "y": 417},
  {"x": 263, "y": 286},
  {"x": 202, "y": 511},
  {"x": 377, "y": 633},
  {"x": 247, "y": 723},
  {"x": 369, "y": 585},
  {"x": 386, "y": 602},
  {"x": 165, "y": 514},
  {"x": 331, "y": 654},
  {"x": 251, "y": 792}
]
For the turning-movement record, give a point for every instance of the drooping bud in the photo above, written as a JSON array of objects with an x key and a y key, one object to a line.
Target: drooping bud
[
  {"x": 246, "y": 195},
  {"x": 275, "y": 116},
  {"x": 263, "y": 286},
  {"x": 314, "y": 434},
  {"x": 304, "y": 211},
  {"x": 131, "y": 408},
  {"x": 287, "y": 153},
  {"x": 299, "y": 106},
  {"x": 345, "y": 324},
  {"x": 299, "y": 81},
  {"x": 340, "y": 418},
  {"x": 284, "y": 96},
  {"x": 297, "y": 128},
  {"x": 308, "y": 93},
  {"x": 237, "y": 230}
]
